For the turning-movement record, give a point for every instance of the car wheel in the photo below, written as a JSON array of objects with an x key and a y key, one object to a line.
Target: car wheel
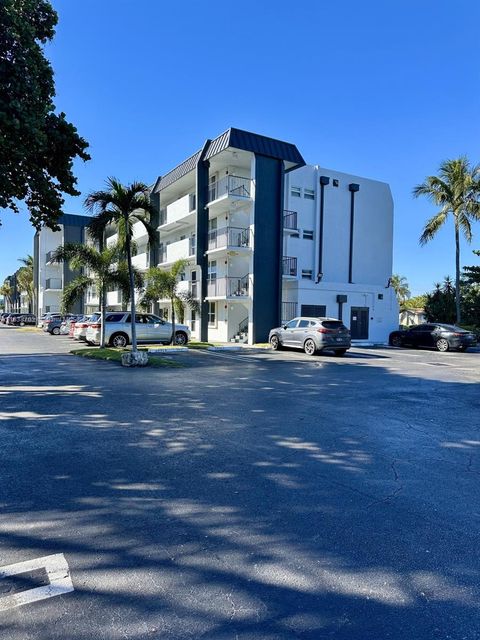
[
  {"x": 309, "y": 347},
  {"x": 22, "y": 324},
  {"x": 181, "y": 338},
  {"x": 56, "y": 331},
  {"x": 340, "y": 352},
  {"x": 275, "y": 343},
  {"x": 119, "y": 340},
  {"x": 396, "y": 341},
  {"x": 442, "y": 345}
]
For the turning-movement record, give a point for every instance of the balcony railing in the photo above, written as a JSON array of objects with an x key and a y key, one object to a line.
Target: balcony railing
[
  {"x": 289, "y": 266},
  {"x": 53, "y": 283},
  {"x": 229, "y": 186},
  {"x": 290, "y": 219},
  {"x": 289, "y": 311},
  {"x": 228, "y": 287},
  {"x": 228, "y": 237}
]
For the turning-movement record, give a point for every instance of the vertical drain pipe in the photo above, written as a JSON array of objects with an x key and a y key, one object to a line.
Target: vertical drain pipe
[
  {"x": 324, "y": 180},
  {"x": 353, "y": 188}
]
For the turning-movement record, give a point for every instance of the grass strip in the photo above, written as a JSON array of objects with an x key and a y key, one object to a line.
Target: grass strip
[{"x": 115, "y": 355}]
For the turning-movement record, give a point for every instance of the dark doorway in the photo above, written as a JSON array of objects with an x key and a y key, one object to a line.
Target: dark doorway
[{"x": 359, "y": 323}]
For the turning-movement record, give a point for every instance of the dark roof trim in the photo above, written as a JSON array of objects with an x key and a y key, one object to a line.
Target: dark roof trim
[
  {"x": 74, "y": 220},
  {"x": 237, "y": 139}
]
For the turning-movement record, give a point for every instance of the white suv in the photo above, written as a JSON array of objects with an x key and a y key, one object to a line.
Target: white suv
[{"x": 149, "y": 328}]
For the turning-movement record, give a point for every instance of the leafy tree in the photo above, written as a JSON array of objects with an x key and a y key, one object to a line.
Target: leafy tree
[
  {"x": 440, "y": 304},
  {"x": 37, "y": 146},
  {"x": 103, "y": 269},
  {"x": 25, "y": 279},
  {"x": 472, "y": 274},
  {"x": 417, "y": 302},
  {"x": 122, "y": 206},
  {"x": 163, "y": 283},
  {"x": 400, "y": 286},
  {"x": 456, "y": 190}
]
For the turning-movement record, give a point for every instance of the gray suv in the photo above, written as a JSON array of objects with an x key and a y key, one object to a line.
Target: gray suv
[
  {"x": 149, "y": 328},
  {"x": 312, "y": 335}
]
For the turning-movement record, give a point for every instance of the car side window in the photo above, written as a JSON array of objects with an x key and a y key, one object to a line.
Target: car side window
[
  {"x": 140, "y": 319},
  {"x": 292, "y": 324},
  {"x": 155, "y": 320},
  {"x": 303, "y": 323}
]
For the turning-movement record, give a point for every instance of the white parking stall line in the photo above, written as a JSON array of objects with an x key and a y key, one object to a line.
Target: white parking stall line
[{"x": 58, "y": 574}]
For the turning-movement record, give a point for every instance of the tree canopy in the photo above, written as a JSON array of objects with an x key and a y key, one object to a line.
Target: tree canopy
[{"x": 37, "y": 145}]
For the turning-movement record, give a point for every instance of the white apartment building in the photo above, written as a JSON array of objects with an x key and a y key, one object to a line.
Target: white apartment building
[
  {"x": 50, "y": 278},
  {"x": 268, "y": 238}
]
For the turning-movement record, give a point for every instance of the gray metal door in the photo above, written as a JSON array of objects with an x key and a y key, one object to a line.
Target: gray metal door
[{"x": 359, "y": 323}]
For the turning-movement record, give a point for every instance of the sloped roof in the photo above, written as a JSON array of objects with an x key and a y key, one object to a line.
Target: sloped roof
[{"x": 237, "y": 139}]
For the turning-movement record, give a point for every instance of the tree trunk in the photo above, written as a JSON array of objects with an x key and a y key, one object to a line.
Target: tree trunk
[
  {"x": 132, "y": 290},
  {"x": 103, "y": 304},
  {"x": 173, "y": 320},
  {"x": 457, "y": 272}
]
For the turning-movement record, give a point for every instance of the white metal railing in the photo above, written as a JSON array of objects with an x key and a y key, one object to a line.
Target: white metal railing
[
  {"x": 230, "y": 186},
  {"x": 228, "y": 237}
]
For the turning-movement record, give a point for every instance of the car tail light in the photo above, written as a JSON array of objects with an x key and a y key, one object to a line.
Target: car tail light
[
  {"x": 458, "y": 334},
  {"x": 322, "y": 330},
  {"x": 84, "y": 325},
  {"x": 95, "y": 326}
]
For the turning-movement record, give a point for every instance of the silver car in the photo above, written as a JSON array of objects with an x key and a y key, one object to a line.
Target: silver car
[
  {"x": 312, "y": 335},
  {"x": 149, "y": 328}
]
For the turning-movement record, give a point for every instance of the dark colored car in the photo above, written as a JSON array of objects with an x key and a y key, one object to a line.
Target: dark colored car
[
  {"x": 10, "y": 319},
  {"x": 442, "y": 337},
  {"x": 3, "y": 317},
  {"x": 24, "y": 319}
]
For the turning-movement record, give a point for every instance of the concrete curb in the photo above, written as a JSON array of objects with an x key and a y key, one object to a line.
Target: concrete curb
[
  {"x": 225, "y": 348},
  {"x": 167, "y": 350}
]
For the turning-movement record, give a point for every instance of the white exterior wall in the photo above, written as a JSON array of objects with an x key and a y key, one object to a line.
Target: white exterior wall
[
  {"x": 372, "y": 248},
  {"x": 48, "y": 299}
]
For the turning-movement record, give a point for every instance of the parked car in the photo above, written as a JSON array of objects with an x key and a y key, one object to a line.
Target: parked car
[
  {"x": 81, "y": 326},
  {"x": 52, "y": 325},
  {"x": 150, "y": 328},
  {"x": 46, "y": 317},
  {"x": 10, "y": 320},
  {"x": 66, "y": 324},
  {"x": 3, "y": 316},
  {"x": 24, "y": 319},
  {"x": 312, "y": 335},
  {"x": 442, "y": 337}
]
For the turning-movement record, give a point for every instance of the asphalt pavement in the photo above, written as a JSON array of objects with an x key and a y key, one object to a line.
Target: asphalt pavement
[{"x": 244, "y": 496}]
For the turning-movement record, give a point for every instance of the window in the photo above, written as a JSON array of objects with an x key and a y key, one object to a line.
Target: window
[
  {"x": 303, "y": 324},
  {"x": 314, "y": 310},
  {"x": 212, "y": 271},
  {"x": 114, "y": 317},
  {"x": 309, "y": 194},
  {"x": 335, "y": 182},
  {"x": 212, "y": 314},
  {"x": 380, "y": 296},
  {"x": 307, "y": 274},
  {"x": 292, "y": 324},
  {"x": 307, "y": 234},
  {"x": 296, "y": 192}
]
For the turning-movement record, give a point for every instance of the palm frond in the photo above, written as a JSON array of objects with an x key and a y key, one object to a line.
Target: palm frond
[
  {"x": 432, "y": 226},
  {"x": 74, "y": 290}
]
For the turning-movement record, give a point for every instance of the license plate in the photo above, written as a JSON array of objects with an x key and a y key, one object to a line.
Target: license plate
[{"x": 339, "y": 339}]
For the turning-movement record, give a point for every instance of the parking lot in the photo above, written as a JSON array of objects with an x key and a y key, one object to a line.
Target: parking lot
[{"x": 251, "y": 495}]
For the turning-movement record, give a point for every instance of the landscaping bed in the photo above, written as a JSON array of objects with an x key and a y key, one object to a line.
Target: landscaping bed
[{"x": 115, "y": 355}]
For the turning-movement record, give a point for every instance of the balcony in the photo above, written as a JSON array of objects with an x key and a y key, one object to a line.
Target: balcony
[
  {"x": 228, "y": 288},
  {"x": 179, "y": 250},
  {"x": 178, "y": 213},
  {"x": 229, "y": 188},
  {"x": 54, "y": 284},
  {"x": 228, "y": 237},
  {"x": 141, "y": 260},
  {"x": 49, "y": 257},
  {"x": 290, "y": 220},
  {"x": 289, "y": 267}
]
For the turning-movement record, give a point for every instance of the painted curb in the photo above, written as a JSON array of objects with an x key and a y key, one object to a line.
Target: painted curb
[
  {"x": 167, "y": 350},
  {"x": 226, "y": 348}
]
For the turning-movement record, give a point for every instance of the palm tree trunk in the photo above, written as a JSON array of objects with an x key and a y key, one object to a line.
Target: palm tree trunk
[
  {"x": 103, "y": 304},
  {"x": 457, "y": 272},
  {"x": 132, "y": 292},
  {"x": 173, "y": 320}
]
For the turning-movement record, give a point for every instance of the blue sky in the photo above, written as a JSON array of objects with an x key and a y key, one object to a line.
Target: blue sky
[{"x": 382, "y": 89}]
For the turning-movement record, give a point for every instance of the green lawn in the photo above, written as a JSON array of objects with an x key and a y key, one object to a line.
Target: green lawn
[{"x": 115, "y": 355}]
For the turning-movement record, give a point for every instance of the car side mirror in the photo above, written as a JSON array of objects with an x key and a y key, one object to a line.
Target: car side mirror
[{"x": 284, "y": 326}]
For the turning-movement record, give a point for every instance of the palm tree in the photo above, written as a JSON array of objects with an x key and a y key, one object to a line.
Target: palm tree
[
  {"x": 122, "y": 206},
  {"x": 104, "y": 269},
  {"x": 456, "y": 190},
  {"x": 163, "y": 283},
  {"x": 25, "y": 279},
  {"x": 400, "y": 285},
  {"x": 6, "y": 291}
]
